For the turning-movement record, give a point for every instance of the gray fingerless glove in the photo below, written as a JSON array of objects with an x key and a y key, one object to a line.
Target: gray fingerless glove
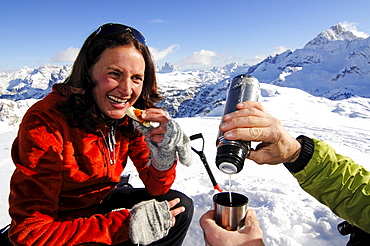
[
  {"x": 150, "y": 221},
  {"x": 175, "y": 142}
]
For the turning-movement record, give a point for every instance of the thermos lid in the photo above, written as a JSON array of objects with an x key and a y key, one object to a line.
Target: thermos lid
[{"x": 228, "y": 168}]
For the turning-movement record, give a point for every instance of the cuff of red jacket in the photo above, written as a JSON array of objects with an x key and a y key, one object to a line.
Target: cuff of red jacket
[
  {"x": 162, "y": 173},
  {"x": 304, "y": 156}
]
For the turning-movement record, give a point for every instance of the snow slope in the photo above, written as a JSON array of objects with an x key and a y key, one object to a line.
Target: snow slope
[{"x": 288, "y": 215}]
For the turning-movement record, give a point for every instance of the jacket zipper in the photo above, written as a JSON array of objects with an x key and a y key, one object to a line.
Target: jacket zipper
[{"x": 110, "y": 144}]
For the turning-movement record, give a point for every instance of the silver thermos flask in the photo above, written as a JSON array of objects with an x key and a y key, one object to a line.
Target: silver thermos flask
[{"x": 232, "y": 153}]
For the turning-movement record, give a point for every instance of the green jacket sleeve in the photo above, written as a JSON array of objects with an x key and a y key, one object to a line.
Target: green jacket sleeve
[{"x": 339, "y": 183}]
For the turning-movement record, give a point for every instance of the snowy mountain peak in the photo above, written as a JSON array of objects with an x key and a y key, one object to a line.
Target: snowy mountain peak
[
  {"x": 166, "y": 68},
  {"x": 340, "y": 32}
]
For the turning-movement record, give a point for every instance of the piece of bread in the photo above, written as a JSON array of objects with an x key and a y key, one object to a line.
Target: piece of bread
[{"x": 135, "y": 114}]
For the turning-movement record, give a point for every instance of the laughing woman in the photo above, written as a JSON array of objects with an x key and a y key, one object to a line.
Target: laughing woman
[{"x": 73, "y": 145}]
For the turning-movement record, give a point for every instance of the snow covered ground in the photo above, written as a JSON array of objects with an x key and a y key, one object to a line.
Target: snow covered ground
[{"x": 288, "y": 216}]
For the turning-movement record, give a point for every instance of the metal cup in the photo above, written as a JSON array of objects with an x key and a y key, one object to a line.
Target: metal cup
[{"x": 230, "y": 216}]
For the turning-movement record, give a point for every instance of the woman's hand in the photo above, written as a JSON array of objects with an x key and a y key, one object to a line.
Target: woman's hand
[
  {"x": 252, "y": 123},
  {"x": 175, "y": 211},
  {"x": 159, "y": 116},
  {"x": 151, "y": 220},
  {"x": 165, "y": 141}
]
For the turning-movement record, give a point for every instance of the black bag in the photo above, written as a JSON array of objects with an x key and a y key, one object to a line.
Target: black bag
[
  {"x": 358, "y": 237},
  {"x": 4, "y": 239}
]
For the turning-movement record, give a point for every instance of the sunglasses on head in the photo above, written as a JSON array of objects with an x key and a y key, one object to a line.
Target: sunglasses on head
[{"x": 114, "y": 28}]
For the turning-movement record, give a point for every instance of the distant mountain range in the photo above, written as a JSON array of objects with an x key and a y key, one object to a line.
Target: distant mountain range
[{"x": 334, "y": 65}]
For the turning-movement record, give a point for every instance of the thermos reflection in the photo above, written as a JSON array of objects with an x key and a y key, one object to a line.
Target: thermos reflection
[{"x": 232, "y": 153}]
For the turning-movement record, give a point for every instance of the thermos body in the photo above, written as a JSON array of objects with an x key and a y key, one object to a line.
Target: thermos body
[{"x": 232, "y": 153}]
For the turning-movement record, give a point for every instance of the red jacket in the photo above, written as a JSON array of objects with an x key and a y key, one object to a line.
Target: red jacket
[{"x": 62, "y": 174}]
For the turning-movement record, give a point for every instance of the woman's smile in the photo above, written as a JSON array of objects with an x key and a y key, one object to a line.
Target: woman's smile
[{"x": 114, "y": 99}]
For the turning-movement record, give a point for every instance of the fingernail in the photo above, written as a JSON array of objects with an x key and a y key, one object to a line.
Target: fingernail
[
  {"x": 223, "y": 125},
  {"x": 228, "y": 135},
  {"x": 227, "y": 116}
]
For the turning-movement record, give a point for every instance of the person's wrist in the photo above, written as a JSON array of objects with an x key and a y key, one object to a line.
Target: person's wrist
[
  {"x": 297, "y": 152},
  {"x": 299, "y": 162}
]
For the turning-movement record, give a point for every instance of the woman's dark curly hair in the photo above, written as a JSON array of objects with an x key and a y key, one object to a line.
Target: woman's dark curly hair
[{"x": 80, "y": 107}]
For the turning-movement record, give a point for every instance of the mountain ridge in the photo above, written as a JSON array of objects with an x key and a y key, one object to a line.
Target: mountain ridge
[{"x": 335, "y": 65}]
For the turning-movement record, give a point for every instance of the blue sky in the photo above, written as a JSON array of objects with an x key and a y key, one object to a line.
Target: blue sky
[{"x": 187, "y": 33}]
